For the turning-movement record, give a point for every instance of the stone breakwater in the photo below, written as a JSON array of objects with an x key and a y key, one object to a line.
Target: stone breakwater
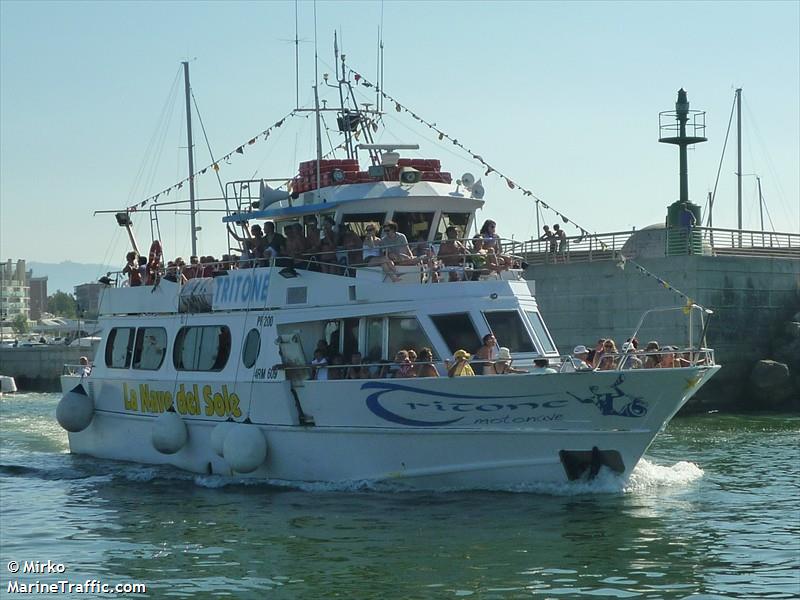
[
  {"x": 775, "y": 382},
  {"x": 40, "y": 367}
]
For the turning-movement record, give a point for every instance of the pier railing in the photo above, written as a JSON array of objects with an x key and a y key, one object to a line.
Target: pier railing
[{"x": 709, "y": 241}]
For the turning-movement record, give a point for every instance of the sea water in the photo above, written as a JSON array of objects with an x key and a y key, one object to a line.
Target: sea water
[{"x": 713, "y": 511}]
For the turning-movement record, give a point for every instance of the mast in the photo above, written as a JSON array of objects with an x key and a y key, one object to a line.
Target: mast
[
  {"x": 739, "y": 157},
  {"x": 191, "y": 156}
]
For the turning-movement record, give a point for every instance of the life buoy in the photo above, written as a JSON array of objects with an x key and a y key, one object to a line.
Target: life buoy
[{"x": 154, "y": 261}]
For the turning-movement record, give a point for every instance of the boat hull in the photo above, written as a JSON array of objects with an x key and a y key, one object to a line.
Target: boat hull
[{"x": 426, "y": 433}]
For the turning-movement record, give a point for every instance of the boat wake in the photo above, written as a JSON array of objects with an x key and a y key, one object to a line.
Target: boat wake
[{"x": 646, "y": 477}]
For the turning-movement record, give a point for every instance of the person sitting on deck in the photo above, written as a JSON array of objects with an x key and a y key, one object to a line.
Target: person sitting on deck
[
  {"x": 541, "y": 367},
  {"x": 371, "y": 253},
  {"x": 396, "y": 245},
  {"x": 460, "y": 366},
  {"x": 425, "y": 366},
  {"x": 403, "y": 367},
  {"x": 328, "y": 247},
  {"x": 296, "y": 244},
  {"x": 452, "y": 252},
  {"x": 502, "y": 366},
  {"x": 319, "y": 365},
  {"x": 652, "y": 358},
  {"x": 357, "y": 370},
  {"x": 490, "y": 242},
  {"x": 578, "y": 361},
  {"x": 606, "y": 360},
  {"x": 352, "y": 245},
  {"x": 630, "y": 360}
]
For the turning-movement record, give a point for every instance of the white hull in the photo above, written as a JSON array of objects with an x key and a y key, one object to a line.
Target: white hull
[{"x": 362, "y": 428}]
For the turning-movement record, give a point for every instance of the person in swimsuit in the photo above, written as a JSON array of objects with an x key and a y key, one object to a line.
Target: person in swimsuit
[{"x": 372, "y": 254}]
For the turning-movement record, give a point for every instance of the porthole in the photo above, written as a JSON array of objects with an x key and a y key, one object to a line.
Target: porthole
[{"x": 252, "y": 345}]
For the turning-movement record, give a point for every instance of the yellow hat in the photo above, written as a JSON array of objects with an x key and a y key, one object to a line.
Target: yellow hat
[{"x": 461, "y": 354}]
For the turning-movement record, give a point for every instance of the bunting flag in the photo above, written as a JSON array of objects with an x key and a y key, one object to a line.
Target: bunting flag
[
  {"x": 623, "y": 260},
  {"x": 216, "y": 165},
  {"x": 442, "y": 135}
]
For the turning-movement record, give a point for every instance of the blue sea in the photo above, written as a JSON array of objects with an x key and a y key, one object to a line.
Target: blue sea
[{"x": 713, "y": 511}]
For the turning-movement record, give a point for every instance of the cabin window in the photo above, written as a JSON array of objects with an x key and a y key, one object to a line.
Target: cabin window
[
  {"x": 251, "y": 348},
  {"x": 457, "y": 220},
  {"x": 150, "y": 348},
  {"x": 358, "y": 222},
  {"x": 204, "y": 348},
  {"x": 373, "y": 343},
  {"x": 541, "y": 332},
  {"x": 406, "y": 333},
  {"x": 510, "y": 331},
  {"x": 119, "y": 347},
  {"x": 415, "y": 225},
  {"x": 457, "y": 331}
]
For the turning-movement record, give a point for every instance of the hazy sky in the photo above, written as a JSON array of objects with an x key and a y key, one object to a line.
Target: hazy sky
[{"x": 563, "y": 97}]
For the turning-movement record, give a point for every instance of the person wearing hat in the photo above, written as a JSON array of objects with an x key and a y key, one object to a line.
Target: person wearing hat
[
  {"x": 460, "y": 366},
  {"x": 502, "y": 365},
  {"x": 630, "y": 360},
  {"x": 579, "y": 361},
  {"x": 652, "y": 358}
]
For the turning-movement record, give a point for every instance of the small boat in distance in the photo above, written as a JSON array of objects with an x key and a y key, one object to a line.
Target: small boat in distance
[{"x": 289, "y": 359}]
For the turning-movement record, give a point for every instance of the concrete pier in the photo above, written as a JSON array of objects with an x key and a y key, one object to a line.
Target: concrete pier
[
  {"x": 39, "y": 367},
  {"x": 749, "y": 295}
]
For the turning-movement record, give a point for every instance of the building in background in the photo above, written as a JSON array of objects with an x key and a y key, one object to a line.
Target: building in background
[
  {"x": 38, "y": 295},
  {"x": 87, "y": 296},
  {"x": 14, "y": 292}
]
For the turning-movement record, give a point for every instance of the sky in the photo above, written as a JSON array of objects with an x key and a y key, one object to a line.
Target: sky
[{"x": 562, "y": 97}]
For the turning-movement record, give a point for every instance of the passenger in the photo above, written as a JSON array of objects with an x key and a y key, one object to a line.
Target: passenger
[
  {"x": 325, "y": 348},
  {"x": 630, "y": 360},
  {"x": 274, "y": 241},
  {"x": 425, "y": 366},
  {"x": 319, "y": 366},
  {"x": 252, "y": 247},
  {"x": 490, "y": 242},
  {"x": 541, "y": 367},
  {"x": 357, "y": 370},
  {"x": 385, "y": 369},
  {"x": 652, "y": 358},
  {"x": 579, "y": 361},
  {"x": 373, "y": 256},
  {"x": 478, "y": 258},
  {"x": 171, "y": 273},
  {"x": 295, "y": 241},
  {"x": 396, "y": 245},
  {"x": 452, "y": 252},
  {"x": 86, "y": 368},
  {"x": 143, "y": 269},
  {"x": 131, "y": 269},
  {"x": 598, "y": 349},
  {"x": 336, "y": 371},
  {"x": 328, "y": 248},
  {"x": 502, "y": 365},
  {"x": 180, "y": 265},
  {"x": 412, "y": 356},
  {"x": 486, "y": 354},
  {"x": 403, "y": 367},
  {"x": 209, "y": 265},
  {"x": 606, "y": 360},
  {"x": 313, "y": 245},
  {"x": 460, "y": 366}
]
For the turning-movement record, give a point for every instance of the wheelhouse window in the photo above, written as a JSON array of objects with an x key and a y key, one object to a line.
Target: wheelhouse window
[
  {"x": 150, "y": 348},
  {"x": 509, "y": 329},
  {"x": 415, "y": 225},
  {"x": 457, "y": 220},
  {"x": 119, "y": 347},
  {"x": 358, "y": 222},
  {"x": 251, "y": 348},
  {"x": 541, "y": 331},
  {"x": 457, "y": 331},
  {"x": 373, "y": 344},
  {"x": 406, "y": 333},
  {"x": 204, "y": 348}
]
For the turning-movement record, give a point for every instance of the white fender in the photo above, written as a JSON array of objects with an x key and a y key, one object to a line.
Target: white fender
[
  {"x": 169, "y": 433},
  {"x": 218, "y": 436},
  {"x": 75, "y": 410},
  {"x": 245, "y": 448}
]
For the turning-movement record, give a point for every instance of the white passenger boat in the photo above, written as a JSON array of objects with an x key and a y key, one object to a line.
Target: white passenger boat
[{"x": 213, "y": 376}]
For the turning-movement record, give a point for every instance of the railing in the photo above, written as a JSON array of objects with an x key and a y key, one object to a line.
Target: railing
[
  {"x": 667, "y": 357},
  {"x": 710, "y": 241}
]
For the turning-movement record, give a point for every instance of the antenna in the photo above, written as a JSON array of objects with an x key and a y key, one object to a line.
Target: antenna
[{"x": 296, "y": 59}]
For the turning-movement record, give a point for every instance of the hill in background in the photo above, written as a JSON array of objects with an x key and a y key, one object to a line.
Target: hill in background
[{"x": 66, "y": 275}]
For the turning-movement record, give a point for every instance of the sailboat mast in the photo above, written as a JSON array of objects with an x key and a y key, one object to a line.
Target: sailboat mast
[
  {"x": 191, "y": 156},
  {"x": 739, "y": 152}
]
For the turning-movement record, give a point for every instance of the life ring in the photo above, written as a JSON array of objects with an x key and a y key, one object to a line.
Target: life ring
[{"x": 154, "y": 260}]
